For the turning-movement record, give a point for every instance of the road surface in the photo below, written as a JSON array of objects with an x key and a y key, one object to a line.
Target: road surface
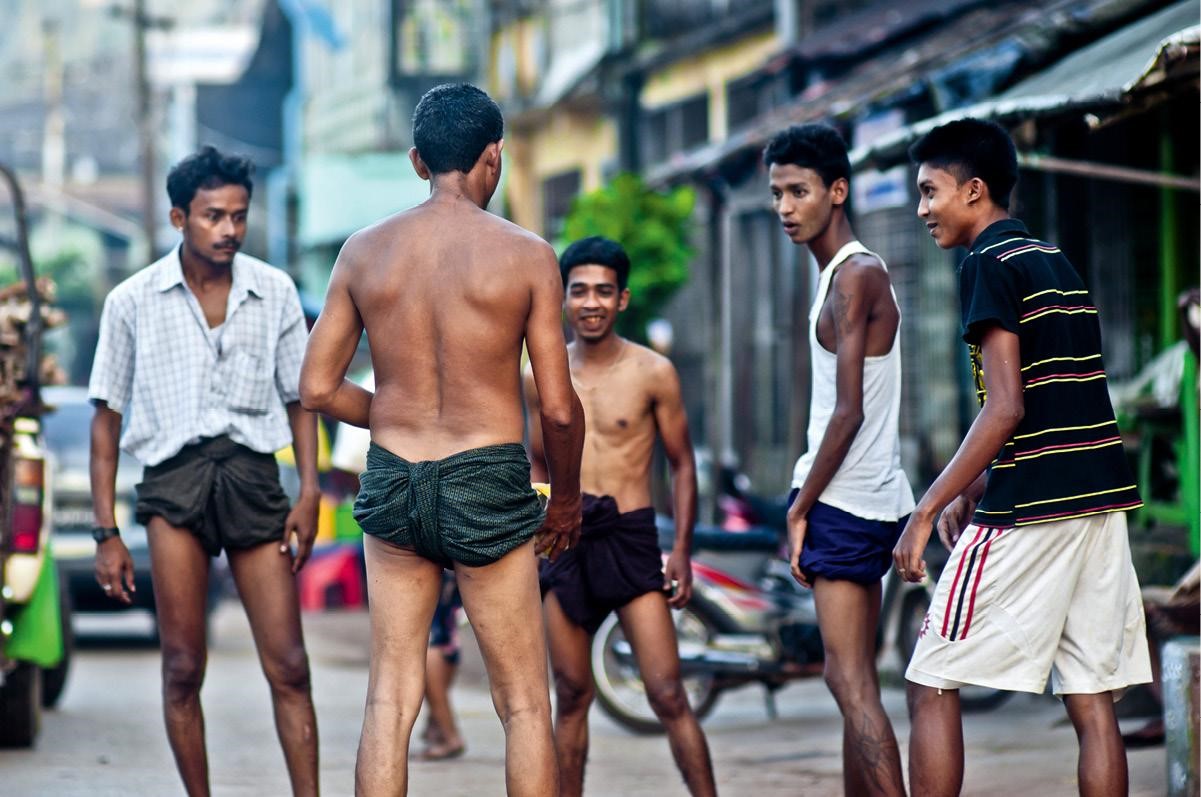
[{"x": 106, "y": 738}]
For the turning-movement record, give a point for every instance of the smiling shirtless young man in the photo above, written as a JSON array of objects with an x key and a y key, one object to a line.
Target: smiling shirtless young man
[
  {"x": 447, "y": 294},
  {"x": 631, "y": 395}
]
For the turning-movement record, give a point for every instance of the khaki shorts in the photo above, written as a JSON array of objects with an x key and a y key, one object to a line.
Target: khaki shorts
[{"x": 1014, "y": 604}]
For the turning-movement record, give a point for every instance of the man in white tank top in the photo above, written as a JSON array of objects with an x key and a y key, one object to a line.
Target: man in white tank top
[{"x": 850, "y": 493}]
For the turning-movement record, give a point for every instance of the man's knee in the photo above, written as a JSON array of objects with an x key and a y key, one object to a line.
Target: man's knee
[
  {"x": 919, "y": 698},
  {"x": 849, "y": 685},
  {"x": 667, "y": 698},
  {"x": 1092, "y": 714},
  {"x": 183, "y": 673},
  {"x": 289, "y": 671},
  {"x": 573, "y": 694}
]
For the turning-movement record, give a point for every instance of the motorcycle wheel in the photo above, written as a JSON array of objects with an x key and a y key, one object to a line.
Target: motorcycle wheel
[
  {"x": 913, "y": 615},
  {"x": 619, "y": 687}
]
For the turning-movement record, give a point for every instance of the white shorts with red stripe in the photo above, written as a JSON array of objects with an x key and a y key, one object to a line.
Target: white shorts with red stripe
[{"x": 1014, "y": 604}]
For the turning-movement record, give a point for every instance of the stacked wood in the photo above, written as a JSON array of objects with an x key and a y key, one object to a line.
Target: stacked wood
[{"x": 15, "y": 312}]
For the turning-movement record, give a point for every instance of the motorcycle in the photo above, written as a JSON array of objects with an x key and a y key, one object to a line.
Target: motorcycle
[{"x": 750, "y": 622}]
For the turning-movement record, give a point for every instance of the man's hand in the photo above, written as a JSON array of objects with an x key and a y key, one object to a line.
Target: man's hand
[
  {"x": 798, "y": 524},
  {"x": 679, "y": 571},
  {"x": 114, "y": 569},
  {"x": 301, "y": 521},
  {"x": 561, "y": 528},
  {"x": 954, "y": 519},
  {"x": 912, "y": 546}
]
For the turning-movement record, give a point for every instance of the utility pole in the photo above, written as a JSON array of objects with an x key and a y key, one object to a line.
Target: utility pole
[
  {"x": 54, "y": 136},
  {"x": 145, "y": 127},
  {"x": 142, "y": 22}
]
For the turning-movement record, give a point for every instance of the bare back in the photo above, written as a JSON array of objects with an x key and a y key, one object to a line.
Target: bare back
[{"x": 444, "y": 292}]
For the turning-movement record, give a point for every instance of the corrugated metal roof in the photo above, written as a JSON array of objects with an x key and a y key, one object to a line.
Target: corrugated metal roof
[
  {"x": 852, "y": 34},
  {"x": 950, "y": 52},
  {"x": 1110, "y": 67},
  {"x": 1101, "y": 74}
]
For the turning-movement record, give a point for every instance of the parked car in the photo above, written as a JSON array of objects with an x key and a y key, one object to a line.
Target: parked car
[
  {"x": 67, "y": 428},
  {"x": 68, "y": 436}
]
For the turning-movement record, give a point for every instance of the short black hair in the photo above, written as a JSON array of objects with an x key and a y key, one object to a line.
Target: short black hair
[
  {"x": 813, "y": 146},
  {"x": 970, "y": 148},
  {"x": 207, "y": 168},
  {"x": 596, "y": 251},
  {"x": 452, "y": 124}
]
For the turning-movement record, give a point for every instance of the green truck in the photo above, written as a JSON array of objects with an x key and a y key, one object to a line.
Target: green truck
[{"x": 35, "y": 623}]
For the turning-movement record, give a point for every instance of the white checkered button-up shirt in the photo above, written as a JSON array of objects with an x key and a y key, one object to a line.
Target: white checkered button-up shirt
[{"x": 175, "y": 381}]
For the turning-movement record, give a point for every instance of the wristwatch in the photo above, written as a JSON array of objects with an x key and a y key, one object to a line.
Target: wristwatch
[{"x": 100, "y": 533}]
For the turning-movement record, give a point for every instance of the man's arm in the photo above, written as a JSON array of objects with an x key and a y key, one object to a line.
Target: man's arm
[
  {"x": 324, "y": 387},
  {"x": 302, "y": 520},
  {"x": 672, "y": 423},
  {"x": 855, "y": 292},
  {"x": 560, "y": 414},
  {"x": 533, "y": 413},
  {"x": 114, "y": 566},
  {"x": 993, "y": 427},
  {"x": 957, "y": 515}
]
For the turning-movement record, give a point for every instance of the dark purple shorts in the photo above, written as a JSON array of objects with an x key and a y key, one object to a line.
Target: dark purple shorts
[
  {"x": 845, "y": 547},
  {"x": 616, "y": 560}
]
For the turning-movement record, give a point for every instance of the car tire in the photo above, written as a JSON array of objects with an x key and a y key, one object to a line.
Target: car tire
[{"x": 21, "y": 706}]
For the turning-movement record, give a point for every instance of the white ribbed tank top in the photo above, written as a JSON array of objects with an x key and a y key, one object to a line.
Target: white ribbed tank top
[{"x": 870, "y": 482}]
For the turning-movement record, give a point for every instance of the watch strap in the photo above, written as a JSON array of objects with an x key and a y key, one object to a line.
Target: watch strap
[{"x": 102, "y": 533}]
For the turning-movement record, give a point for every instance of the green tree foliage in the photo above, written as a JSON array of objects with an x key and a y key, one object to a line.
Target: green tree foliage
[{"x": 653, "y": 227}]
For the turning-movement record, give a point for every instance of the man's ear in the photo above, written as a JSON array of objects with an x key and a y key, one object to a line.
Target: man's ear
[
  {"x": 624, "y": 300},
  {"x": 975, "y": 190},
  {"x": 493, "y": 151},
  {"x": 839, "y": 190},
  {"x": 178, "y": 218},
  {"x": 419, "y": 166}
]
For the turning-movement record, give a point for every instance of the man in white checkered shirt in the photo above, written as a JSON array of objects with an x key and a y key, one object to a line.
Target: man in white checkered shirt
[{"x": 199, "y": 355}]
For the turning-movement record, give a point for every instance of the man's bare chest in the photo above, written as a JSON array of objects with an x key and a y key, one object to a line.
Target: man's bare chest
[{"x": 614, "y": 409}]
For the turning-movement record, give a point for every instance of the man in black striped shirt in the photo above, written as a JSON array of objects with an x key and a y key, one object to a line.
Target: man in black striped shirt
[{"x": 1033, "y": 504}]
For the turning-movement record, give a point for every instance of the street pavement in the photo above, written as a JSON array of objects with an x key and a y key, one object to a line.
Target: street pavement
[{"x": 106, "y": 737}]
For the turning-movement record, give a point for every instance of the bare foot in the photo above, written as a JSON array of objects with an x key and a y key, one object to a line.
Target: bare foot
[
  {"x": 432, "y": 734},
  {"x": 441, "y": 751}
]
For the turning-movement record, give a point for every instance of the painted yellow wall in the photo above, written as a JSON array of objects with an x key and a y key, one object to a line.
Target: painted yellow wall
[
  {"x": 521, "y": 40},
  {"x": 568, "y": 140},
  {"x": 709, "y": 71}
]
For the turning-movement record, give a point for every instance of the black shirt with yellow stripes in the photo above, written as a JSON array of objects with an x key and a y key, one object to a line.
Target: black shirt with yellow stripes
[{"x": 1066, "y": 458}]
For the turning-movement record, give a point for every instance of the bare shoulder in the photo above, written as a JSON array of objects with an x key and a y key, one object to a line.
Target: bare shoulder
[
  {"x": 656, "y": 371},
  {"x": 864, "y": 272},
  {"x": 520, "y": 235},
  {"x": 526, "y": 247},
  {"x": 361, "y": 247},
  {"x": 370, "y": 240}
]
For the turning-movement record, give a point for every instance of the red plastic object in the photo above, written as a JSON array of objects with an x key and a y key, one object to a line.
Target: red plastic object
[{"x": 332, "y": 578}]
